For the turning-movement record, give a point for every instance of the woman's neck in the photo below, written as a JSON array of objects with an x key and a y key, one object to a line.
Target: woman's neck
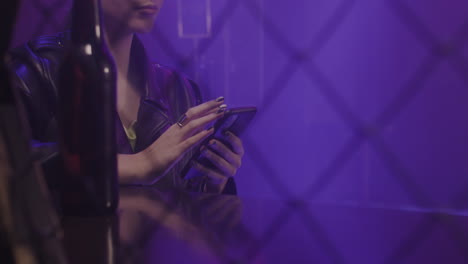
[
  {"x": 128, "y": 92},
  {"x": 120, "y": 47}
]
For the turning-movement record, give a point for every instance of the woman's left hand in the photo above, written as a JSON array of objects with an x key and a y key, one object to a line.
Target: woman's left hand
[{"x": 226, "y": 161}]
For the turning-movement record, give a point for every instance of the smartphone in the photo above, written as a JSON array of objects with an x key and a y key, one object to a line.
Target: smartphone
[{"x": 236, "y": 121}]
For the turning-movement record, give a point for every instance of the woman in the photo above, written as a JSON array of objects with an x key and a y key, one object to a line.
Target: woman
[{"x": 160, "y": 116}]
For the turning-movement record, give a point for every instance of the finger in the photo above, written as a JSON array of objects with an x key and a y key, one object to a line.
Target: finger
[
  {"x": 216, "y": 109},
  {"x": 195, "y": 139},
  {"x": 221, "y": 164},
  {"x": 204, "y": 108},
  {"x": 225, "y": 152},
  {"x": 199, "y": 124},
  {"x": 214, "y": 176},
  {"x": 236, "y": 142},
  {"x": 220, "y": 109}
]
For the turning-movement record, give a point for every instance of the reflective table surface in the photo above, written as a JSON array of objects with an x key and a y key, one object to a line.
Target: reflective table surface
[{"x": 163, "y": 227}]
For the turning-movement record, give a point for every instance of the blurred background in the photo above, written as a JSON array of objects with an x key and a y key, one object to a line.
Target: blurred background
[{"x": 360, "y": 102}]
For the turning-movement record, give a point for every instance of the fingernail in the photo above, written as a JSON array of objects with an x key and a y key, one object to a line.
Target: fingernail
[
  {"x": 212, "y": 142},
  {"x": 202, "y": 148},
  {"x": 219, "y": 99},
  {"x": 221, "y": 109},
  {"x": 210, "y": 128},
  {"x": 226, "y": 133}
]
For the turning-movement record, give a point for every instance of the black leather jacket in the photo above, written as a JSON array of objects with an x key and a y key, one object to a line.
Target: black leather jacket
[{"x": 35, "y": 66}]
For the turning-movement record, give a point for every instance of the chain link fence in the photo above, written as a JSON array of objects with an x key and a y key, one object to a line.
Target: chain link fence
[{"x": 207, "y": 52}]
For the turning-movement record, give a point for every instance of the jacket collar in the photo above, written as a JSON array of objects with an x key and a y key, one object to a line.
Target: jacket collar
[
  {"x": 150, "y": 82},
  {"x": 152, "y": 119}
]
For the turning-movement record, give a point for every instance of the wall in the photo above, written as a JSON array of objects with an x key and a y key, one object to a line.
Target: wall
[{"x": 360, "y": 102}]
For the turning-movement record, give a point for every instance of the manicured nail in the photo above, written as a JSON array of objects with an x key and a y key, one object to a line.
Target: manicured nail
[
  {"x": 221, "y": 108},
  {"x": 219, "y": 99}
]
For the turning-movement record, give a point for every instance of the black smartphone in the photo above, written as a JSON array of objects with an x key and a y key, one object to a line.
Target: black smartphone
[{"x": 236, "y": 121}]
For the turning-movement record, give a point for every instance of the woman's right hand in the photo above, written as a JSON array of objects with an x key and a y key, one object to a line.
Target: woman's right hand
[{"x": 161, "y": 156}]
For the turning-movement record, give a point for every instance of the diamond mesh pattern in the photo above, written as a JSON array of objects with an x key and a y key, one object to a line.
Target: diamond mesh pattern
[{"x": 364, "y": 132}]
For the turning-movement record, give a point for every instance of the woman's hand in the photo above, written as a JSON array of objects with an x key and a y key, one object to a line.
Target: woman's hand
[
  {"x": 152, "y": 163},
  {"x": 226, "y": 161}
]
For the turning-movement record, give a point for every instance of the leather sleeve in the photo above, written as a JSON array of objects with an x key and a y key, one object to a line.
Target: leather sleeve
[{"x": 32, "y": 69}]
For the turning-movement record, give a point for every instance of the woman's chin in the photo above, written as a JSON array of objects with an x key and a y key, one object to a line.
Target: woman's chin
[{"x": 142, "y": 27}]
